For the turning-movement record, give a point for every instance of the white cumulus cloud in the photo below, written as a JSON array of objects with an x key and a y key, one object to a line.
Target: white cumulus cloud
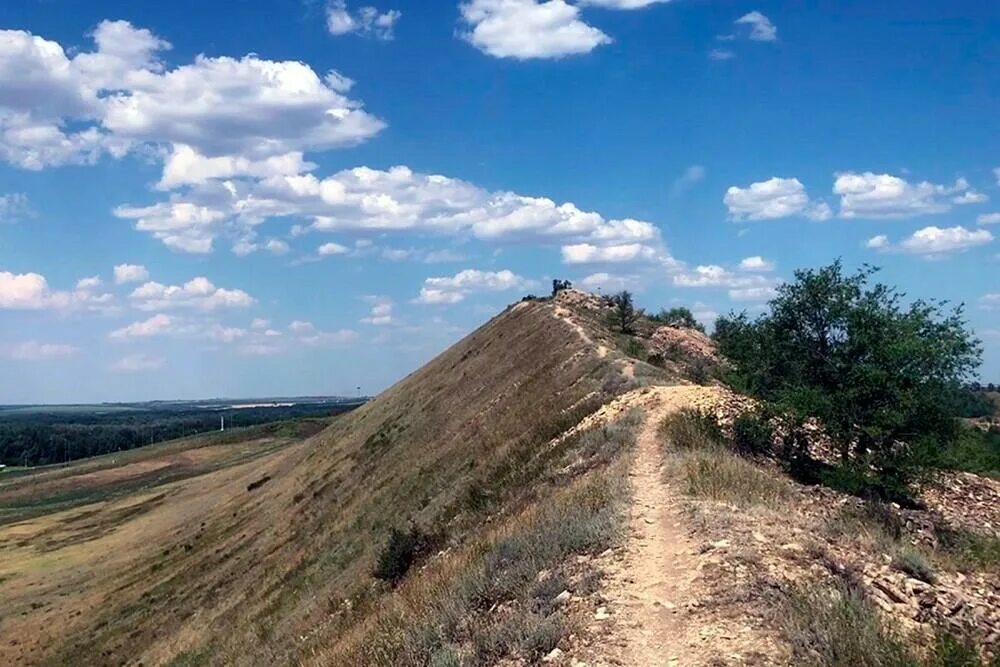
[
  {"x": 130, "y": 273},
  {"x": 761, "y": 28},
  {"x": 774, "y": 198},
  {"x": 871, "y": 195},
  {"x": 340, "y": 20},
  {"x": 455, "y": 288},
  {"x": 525, "y": 29},
  {"x": 933, "y": 241},
  {"x": 157, "y": 325},
  {"x": 198, "y": 293},
  {"x": 756, "y": 263},
  {"x": 217, "y": 115}
]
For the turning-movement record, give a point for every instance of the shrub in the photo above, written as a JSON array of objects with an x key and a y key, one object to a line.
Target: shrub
[
  {"x": 678, "y": 317},
  {"x": 401, "y": 551},
  {"x": 633, "y": 348},
  {"x": 910, "y": 561},
  {"x": 877, "y": 374},
  {"x": 720, "y": 475},
  {"x": 839, "y": 627},
  {"x": 752, "y": 434},
  {"x": 691, "y": 429},
  {"x": 966, "y": 550}
]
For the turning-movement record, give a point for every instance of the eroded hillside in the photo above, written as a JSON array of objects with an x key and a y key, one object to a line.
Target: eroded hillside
[
  {"x": 539, "y": 493},
  {"x": 254, "y": 563}
]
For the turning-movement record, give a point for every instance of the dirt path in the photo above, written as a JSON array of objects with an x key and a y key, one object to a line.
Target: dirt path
[{"x": 650, "y": 588}]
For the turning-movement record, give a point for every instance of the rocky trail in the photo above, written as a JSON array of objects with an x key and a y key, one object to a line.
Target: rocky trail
[{"x": 652, "y": 584}]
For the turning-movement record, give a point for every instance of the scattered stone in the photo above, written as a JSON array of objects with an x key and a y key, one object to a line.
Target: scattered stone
[
  {"x": 562, "y": 598},
  {"x": 552, "y": 655},
  {"x": 602, "y": 614}
]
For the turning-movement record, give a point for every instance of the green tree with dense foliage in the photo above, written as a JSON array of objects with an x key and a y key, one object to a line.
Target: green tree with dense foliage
[
  {"x": 678, "y": 317},
  {"x": 879, "y": 374}
]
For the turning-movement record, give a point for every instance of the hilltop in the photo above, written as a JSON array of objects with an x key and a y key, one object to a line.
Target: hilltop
[{"x": 536, "y": 493}]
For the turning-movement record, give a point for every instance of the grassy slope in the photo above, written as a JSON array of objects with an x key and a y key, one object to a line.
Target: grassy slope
[{"x": 256, "y": 577}]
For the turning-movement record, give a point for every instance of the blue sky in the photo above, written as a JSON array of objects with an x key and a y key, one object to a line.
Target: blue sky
[{"x": 271, "y": 198}]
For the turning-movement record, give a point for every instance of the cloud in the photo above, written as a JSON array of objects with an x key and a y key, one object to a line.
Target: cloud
[
  {"x": 691, "y": 177},
  {"x": 381, "y": 313},
  {"x": 970, "y": 197},
  {"x": 137, "y": 363},
  {"x": 712, "y": 275},
  {"x": 607, "y": 282},
  {"x": 130, "y": 273},
  {"x": 25, "y": 291},
  {"x": 753, "y": 293},
  {"x": 380, "y": 202},
  {"x": 741, "y": 286},
  {"x": 157, "y": 325},
  {"x": 933, "y": 241},
  {"x": 307, "y": 333},
  {"x": 366, "y": 21},
  {"x": 588, "y": 253},
  {"x": 455, "y": 288},
  {"x": 198, "y": 293},
  {"x": 870, "y": 195},
  {"x": 30, "y": 291},
  {"x": 247, "y": 245},
  {"x": 990, "y": 301},
  {"x": 260, "y": 323},
  {"x": 93, "y": 282},
  {"x": 621, "y": 4},
  {"x": 34, "y": 351},
  {"x": 761, "y": 28},
  {"x": 256, "y": 115},
  {"x": 988, "y": 219},
  {"x": 720, "y": 55},
  {"x": 878, "y": 242},
  {"x": 772, "y": 199},
  {"x": 14, "y": 207},
  {"x": 525, "y": 29},
  {"x": 332, "y": 249},
  {"x": 756, "y": 263}
]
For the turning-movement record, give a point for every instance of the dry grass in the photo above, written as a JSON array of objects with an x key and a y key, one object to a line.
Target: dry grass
[
  {"x": 699, "y": 457},
  {"x": 486, "y": 601},
  {"x": 837, "y": 627}
]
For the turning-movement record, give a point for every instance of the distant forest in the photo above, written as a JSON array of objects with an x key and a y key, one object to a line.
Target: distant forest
[{"x": 40, "y": 437}]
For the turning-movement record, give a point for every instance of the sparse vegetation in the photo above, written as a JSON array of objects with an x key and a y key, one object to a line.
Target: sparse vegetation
[
  {"x": 633, "y": 348},
  {"x": 705, "y": 462},
  {"x": 726, "y": 477},
  {"x": 912, "y": 562},
  {"x": 839, "y": 627},
  {"x": 451, "y": 616}
]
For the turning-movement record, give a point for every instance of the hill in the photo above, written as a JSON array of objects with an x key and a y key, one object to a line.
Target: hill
[{"x": 521, "y": 498}]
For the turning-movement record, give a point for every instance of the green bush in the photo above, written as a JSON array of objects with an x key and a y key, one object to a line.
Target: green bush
[
  {"x": 879, "y": 374},
  {"x": 691, "y": 429},
  {"x": 401, "y": 551},
  {"x": 753, "y": 434}
]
